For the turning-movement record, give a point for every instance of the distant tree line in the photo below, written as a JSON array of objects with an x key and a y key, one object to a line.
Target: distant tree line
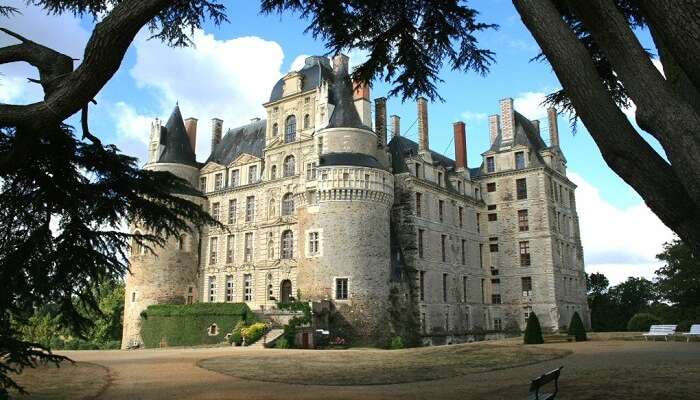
[{"x": 673, "y": 296}]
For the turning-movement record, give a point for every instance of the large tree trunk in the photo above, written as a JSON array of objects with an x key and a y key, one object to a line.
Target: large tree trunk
[{"x": 623, "y": 149}]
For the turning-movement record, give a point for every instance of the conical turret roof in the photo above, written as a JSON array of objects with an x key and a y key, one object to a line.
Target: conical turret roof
[{"x": 176, "y": 144}]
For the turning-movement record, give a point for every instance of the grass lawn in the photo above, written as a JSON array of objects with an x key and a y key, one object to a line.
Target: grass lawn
[
  {"x": 69, "y": 381},
  {"x": 373, "y": 367}
]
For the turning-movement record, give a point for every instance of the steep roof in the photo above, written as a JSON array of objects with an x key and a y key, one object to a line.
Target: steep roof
[
  {"x": 525, "y": 134},
  {"x": 316, "y": 69},
  {"x": 248, "y": 139},
  {"x": 176, "y": 144},
  {"x": 350, "y": 159},
  {"x": 402, "y": 146},
  {"x": 344, "y": 112}
]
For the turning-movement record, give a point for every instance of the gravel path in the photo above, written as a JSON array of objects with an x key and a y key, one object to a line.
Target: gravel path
[{"x": 618, "y": 369}]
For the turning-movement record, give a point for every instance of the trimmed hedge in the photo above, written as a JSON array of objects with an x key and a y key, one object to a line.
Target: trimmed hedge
[
  {"x": 533, "y": 330},
  {"x": 188, "y": 324},
  {"x": 641, "y": 322},
  {"x": 576, "y": 328}
]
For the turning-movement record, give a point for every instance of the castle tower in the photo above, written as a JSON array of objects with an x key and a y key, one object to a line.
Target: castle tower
[
  {"x": 349, "y": 211},
  {"x": 169, "y": 274}
]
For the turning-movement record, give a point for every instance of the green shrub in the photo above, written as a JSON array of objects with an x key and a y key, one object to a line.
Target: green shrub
[
  {"x": 252, "y": 333},
  {"x": 111, "y": 345},
  {"x": 576, "y": 328},
  {"x": 641, "y": 322},
  {"x": 282, "y": 343},
  {"x": 396, "y": 343},
  {"x": 533, "y": 330}
]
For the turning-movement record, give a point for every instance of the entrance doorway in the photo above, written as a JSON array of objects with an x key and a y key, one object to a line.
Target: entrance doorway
[{"x": 285, "y": 291}]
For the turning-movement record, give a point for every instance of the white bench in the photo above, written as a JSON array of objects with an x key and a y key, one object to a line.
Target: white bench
[
  {"x": 660, "y": 330},
  {"x": 694, "y": 331}
]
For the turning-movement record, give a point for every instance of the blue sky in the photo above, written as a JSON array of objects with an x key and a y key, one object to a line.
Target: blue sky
[{"x": 234, "y": 66}]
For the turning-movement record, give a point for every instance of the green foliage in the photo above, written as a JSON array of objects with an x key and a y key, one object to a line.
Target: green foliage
[
  {"x": 396, "y": 343},
  {"x": 611, "y": 308},
  {"x": 642, "y": 321},
  {"x": 533, "y": 330},
  {"x": 679, "y": 278},
  {"x": 282, "y": 343},
  {"x": 187, "y": 324},
  {"x": 290, "y": 330},
  {"x": 576, "y": 328},
  {"x": 236, "y": 337},
  {"x": 253, "y": 333}
]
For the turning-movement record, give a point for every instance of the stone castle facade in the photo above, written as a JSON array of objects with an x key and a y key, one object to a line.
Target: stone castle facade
[{"x": 318, "y": 205}]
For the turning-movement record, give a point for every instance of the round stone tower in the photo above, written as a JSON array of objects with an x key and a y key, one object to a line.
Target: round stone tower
[
  {"x": 344, "y": 221},
  {"x": 170, "y": 275}
]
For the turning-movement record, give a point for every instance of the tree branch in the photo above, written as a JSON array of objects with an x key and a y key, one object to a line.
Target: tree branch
[{"x": 627, "y": 153}]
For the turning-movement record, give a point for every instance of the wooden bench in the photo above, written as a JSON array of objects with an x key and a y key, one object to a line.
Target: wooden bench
[
  {"x": 660, "y": 330},
  {"x": 537, "y": 384},
  {"x": 694, "y": 331}
]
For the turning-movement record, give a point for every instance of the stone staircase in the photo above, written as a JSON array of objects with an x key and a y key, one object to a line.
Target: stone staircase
[{"x": 269, "y": 337}]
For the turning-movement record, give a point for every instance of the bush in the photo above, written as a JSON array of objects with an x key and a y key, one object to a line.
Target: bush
[
  {"x": 396, "y": 343},
  {"x": 576, "y": 328},
  {"x": 641, "y": 322},
  {"x": 111, "y": 345},
  {"x": 252, "y": 333},
  {"x": 236, "y": 337},
  {"x": 533, "y": 330},
  {"x": 282, "y": 343}
]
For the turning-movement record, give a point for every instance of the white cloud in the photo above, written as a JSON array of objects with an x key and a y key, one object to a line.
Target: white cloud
[
  {"x": 618, "y": 242},
  {"x": 474, "y": 116},
  {"x": 298, "y": 62},
  {"x": 530, "y": 105}
]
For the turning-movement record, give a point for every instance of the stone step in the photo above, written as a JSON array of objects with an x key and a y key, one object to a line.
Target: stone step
[{"x": 269, "y": 337}]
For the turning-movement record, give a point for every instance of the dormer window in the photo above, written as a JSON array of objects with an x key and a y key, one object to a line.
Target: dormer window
[
  {"x": 519, "y": 160},
  {"x": 275, "y": 129},
  {"x": 490, "y": 164},
  {"x": 290, "y": 132},
  {"x": 439, "y": 178},
  {"x": 307, "y": 121}
]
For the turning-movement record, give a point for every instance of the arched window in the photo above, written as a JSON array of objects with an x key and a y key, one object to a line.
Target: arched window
[
  {"x": 182, "y": 242},
  {"x": 307, "y": 120},
  {"x": 290, "y": 131},
  {"x": 274, "y": 129},
  {"x": 288, "y": 204},
  {"x": 271, "y": 250},
  {"x": 271, "y": 208},
  {"x": 289, "y": 167},
  {"x": 287, "y": 251},
  {"x": 273, "y": 172}
]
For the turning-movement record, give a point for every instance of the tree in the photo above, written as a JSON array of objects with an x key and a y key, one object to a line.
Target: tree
[
  {"x": 597, "y": 284},
  {"x": 533, "y": 330},
  {"x": 64, "y": 198},
  {"x": 576, "y": 328},
  {"x": 594, "y": 52},
  {"x": 679, "y": 279}
]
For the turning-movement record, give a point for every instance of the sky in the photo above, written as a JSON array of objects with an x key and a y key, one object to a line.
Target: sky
[{"x": 230, "y": 71}]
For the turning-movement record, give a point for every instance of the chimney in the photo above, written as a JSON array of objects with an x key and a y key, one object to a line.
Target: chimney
[
  {"x": 395, "y": 126},
  {"x": 191, "y": 129},
  {"x": 360, "y": 96},
  {"x": 423, "y": 144},
  {"x": 553, "y": 127},
  {"x": 494, "y": 127},
  {"x": 536, "y": 124},
  {"x": 460, "y": 145},
  {"x": 507, "y": 122},
  {"x": 216, "y": 127},
  {"x": 380, "y": 119},
  {"x": 340, "y": 64}
]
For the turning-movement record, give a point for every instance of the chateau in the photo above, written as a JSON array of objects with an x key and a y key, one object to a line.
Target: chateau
[{"x": 320, "y": 203}]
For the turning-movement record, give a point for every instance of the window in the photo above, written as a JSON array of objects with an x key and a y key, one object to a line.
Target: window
[
  {"x": 494, "y": 271},
  {"x": 190, "y": 295},
  {"x": 460, "y": 216},
  {"x": 493, "y": 217},
  {"x": 252, "y": 174},
  {"x": 476, "y": 194},
  {"x": 247, "y": 287},
  {"x": 307, "y": 121},
  {"x": 320, "y": 145},
  {"x": 526, "y": 313},
  {"x": 422, "y": 322},
  {"x": 439, "y": 178},
  {"x": 290, "y": 130},
  {"x": 287, "y": 245},
  {"x": 464, "y": 252},
  {"x": 215, "y": 211},
  {"x": 496, "y": 291},
  {"x": 497, "y": 324},
  {"x": 519, "y": 160},
  {"x": 229, "y": 288},
  {"x": 275, "y": 129},
  {"x": 313, "y": 243},
  {"x": 421, "y": 233},
  {"x": 133, "y": 297},
  {"x": 230, "y": 243},
  {"x": 306, "y": 100},
  {"x": 493, "y": 247},
  {"x": 341, "y": 288},
  {"x": 526, "y": 283},
  {"x": 465, "y": 286},
  {"x": 444, "y": 288},
  {"x": 212, "y": 289},
  {"x": 418, "y": 204},
  {"x": 490, "y": 164},
  {"x": 525, "y": 254},
  {"x": 523, "y": 224},
  {"x": 441, "y": 210},
  {"x": 421, "y": 285},
  {"x": 232, "y": 206},
  {"x": 346, "y": 177},
  {"x": 203, "y": 184},
  {"x": 310, "y": 171},
  {"x": 491, "y": 187},
  {"x": 459, "y": 186},
  {"x": 249, "y": 209},
  {"x": 366, "y": 181},
  {"x": 521, "y": 188},
  {"x": 288, "y": 204},
  {"x": 491, "y": 207},
  {"x": 417, "y": 170},
  {"x": 273, "y": 172},
  {"x": 218, "y": 181},
  {"x": 443, "y": 245},
  {"x": 248, "y": 250},
  {"x": 212, "y": 249},
  {"x": 181, "y": 242},
  {"x": 288, "y": 168},
  {"x": 478, "y": 222},
  {"x": 235, "y": 178}
]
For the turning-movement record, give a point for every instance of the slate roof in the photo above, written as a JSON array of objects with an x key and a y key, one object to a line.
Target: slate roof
[
  {"x": 402, "y": 146},
  {"x": 316, "y": 69},
  {"x": 344, "y": 113},
  {"x": 249, "y": 139},
  {"x": 350, "y": 159},
  {"x": 525, "y": 134},
  {"x": 176, "y": 144}
]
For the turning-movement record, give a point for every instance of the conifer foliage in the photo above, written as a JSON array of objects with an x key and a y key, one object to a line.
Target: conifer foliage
[
  {"x": 576, "y": 328},
  {"x": 533, "y": 330}
]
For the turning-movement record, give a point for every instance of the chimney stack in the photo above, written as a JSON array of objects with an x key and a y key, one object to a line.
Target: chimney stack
[
  {"x": 423, "y": 144},
  {"x": 460, "y": 145},
  {"x": 395, "y": 126},
  {"x": 340, "y": 64},
  {"x": 191, "y": 129},
  {"x": 553, "y": 127},
  {"x": 216, "y": 128},
  {"x": 494, "y": 127},
  {"x": 507, "y": 122},
  {"x": 536, "y": 124},
  {"x": 360, "y": 96},
  {"x": 380, "y": 119}
]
